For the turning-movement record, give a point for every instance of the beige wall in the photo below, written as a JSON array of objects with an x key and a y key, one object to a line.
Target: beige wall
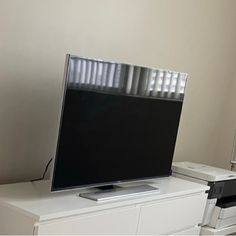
[
  {"x": 227, "y": 128},
  {"x": 193, "y": 36}
]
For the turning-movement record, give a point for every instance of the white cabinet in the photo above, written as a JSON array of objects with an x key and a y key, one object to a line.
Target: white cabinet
[
  {"x": 30, "y": 208},
  {"x": 115, "y": 221},
  {"x": 172, "y": 215}
]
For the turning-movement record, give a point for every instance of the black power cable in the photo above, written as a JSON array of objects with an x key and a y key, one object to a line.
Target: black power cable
[{"x": 44, "y": 173}]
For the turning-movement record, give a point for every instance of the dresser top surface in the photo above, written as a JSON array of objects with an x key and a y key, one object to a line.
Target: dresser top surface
[{"x": 35, "y": 199}]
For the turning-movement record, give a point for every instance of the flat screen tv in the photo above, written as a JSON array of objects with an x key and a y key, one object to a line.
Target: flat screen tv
[{"x": 118, "y": 123}]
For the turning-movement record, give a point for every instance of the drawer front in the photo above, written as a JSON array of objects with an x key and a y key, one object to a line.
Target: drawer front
[
  {"x": 114, "y": 221},
  {"x": 173, "y": 215}
]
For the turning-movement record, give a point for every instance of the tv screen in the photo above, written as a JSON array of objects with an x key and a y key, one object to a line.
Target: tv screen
[{"x": 107, "y": 137}]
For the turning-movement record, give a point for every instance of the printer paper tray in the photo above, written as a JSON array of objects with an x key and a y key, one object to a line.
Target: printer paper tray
[
  {"x": 227, "y": 212},
  {"x": 223, "y": 217}
]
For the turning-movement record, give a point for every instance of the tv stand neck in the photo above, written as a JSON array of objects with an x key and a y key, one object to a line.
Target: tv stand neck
[{"x": 108, "y": 187}]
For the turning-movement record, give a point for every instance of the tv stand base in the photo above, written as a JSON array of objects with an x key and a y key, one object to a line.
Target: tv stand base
[{"x": 120, "y": 192}]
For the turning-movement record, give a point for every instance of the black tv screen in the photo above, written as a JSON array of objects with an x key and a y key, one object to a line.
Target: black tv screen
[{"x": 106, "y": 137}]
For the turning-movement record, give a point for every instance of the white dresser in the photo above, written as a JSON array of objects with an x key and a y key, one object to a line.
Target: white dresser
[{"x": 30, "y": 208}]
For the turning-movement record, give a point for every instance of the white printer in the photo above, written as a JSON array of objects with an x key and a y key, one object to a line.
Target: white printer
[{"x": 220, "y": 210}]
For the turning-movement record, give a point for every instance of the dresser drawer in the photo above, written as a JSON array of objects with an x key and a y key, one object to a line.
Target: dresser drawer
[
  {"x": 115, "y": 221},
  {"x": 171, "y": 216}
]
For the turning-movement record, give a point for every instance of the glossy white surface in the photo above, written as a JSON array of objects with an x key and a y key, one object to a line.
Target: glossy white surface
[{"x": 36, "y": 200}]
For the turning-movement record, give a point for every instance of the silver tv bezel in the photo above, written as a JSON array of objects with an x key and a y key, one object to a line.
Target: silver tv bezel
[{"x": 80, "y": 187}]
